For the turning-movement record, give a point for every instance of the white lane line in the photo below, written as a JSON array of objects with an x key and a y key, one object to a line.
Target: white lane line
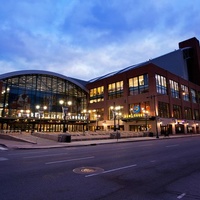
[
  {"x": 3, "y": 159},
  {"x": 3, "y": 148},
  {"x": 145, "y": 145},
  {"x": 173, "y": 145},
  {"x": 181, "y": 196},
  {"x": 112, "y": 170},
  {"x": 74, "y": 159},
  {"x": 40, "y": 156},
  {"x": 152, "y": 161},
  {"x": 32, "y": 152}
]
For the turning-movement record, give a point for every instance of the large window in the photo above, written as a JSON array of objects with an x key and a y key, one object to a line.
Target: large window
[
  {"x": 23, "y": 93},
  {"x": 97, "y": 94},
  {"x": 188, "y": 113},
  {"x": 185, "y": 93},
  {"x": 139, "y": 109},
  {"x": 177, "y": 111},
  {"x": 193, "y": 96},
  {"x": 163, "y": 109},
  {"x": 115, "y": 90},
  {"x": 161, "y": 84},
  {"x": 196, "y": 114},
  {"x": 174, "y": 89},
  {"x": 138, "y": 85}
]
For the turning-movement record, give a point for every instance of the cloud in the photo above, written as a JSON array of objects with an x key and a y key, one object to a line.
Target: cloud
[{"x": 90, "y": 39}]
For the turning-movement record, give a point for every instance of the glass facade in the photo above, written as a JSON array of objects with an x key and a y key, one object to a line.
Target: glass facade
[
  {"x": 161, "y": 84},
  {"x": 138, "y": 85},
  {"x": 37, "y": 96},
  {"x": 97, "y": 94},
  {"x": 174, "y": 89},
  {"x": 115, "y": 90}
]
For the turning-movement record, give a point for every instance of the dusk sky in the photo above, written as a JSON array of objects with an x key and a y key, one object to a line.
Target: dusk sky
[{"x": 85, "y": 39}]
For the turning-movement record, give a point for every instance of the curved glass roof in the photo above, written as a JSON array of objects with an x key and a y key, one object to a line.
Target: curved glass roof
[{"x": 77, "y": 82}]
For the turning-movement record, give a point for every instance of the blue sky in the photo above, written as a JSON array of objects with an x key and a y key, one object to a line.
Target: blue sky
[{"x": 85, "y": 39}]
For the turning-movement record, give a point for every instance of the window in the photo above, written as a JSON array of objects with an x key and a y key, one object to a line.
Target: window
[
  {"x": 188, "y": 113},
  {"x": 138, "y": 85},
  {"x": 185, "y": 93},
  {"x": 196, "y": 114},
  {"x": 193, "y": 96},
  {"x": 161, "y": 85},
  {"x": 177, "y": 111},
  {"x": 97, "y": 94},
  {"x": 97, "y": 114},
  {"x": 115, "y": 112},
  {"x": 163, "y": 109},
  {"x": 115, "y": 90},
  {"x": 174, "y": 89},
  {"x": 139, "y": 109}
]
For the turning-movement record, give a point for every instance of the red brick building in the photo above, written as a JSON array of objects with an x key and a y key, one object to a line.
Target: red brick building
[{"x": 161, "y": 96}]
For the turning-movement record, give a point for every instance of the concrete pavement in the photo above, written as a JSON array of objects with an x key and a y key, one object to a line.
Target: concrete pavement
[{"x": 28, "y": 141}]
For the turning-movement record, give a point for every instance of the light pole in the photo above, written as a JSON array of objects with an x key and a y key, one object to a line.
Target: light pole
[
  {"x": 115, "y": 111},
  {"x": 97, "y": 120},
  {"x": 87, "y": 113},
  {"x": 40, "y": 113},
  {"x": 145, "y": 112},
  {"x": 65, "y": 112}
]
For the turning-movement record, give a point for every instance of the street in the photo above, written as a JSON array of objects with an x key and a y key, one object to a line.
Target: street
[{"x": 161, "y": 169}]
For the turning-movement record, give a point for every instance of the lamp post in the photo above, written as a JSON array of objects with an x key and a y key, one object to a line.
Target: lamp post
[
  {"x": 40, "y": 113},
  {"x": 97, "y": 120},
  {"x": 65, "y": 111},
  {"x": 156, "y": 120},
  {"x": 115, "y": 111},
  {"x": 87, "y": 113},
  {"x": 145, "y": 112}
]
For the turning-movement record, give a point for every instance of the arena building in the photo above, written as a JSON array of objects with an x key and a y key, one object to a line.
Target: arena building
[
  {"x": 160, "y": 96},
  {"x": 34, "y": 100}
]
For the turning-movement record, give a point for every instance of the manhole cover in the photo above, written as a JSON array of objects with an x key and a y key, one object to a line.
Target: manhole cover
[{"x": 88, "y": 170}]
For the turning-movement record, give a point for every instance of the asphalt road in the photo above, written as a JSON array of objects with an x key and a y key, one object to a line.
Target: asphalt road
[{"x": 161, "y": 169}]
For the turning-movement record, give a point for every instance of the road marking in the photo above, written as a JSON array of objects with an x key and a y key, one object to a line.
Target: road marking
[
  {"x": 39, "y": 156},
  {"x": 111, "y": 170},
  {"x": 174, "y": 145},
  {"x": 3, "y": 159},
  {"x": 74, "y": 159},
  {"x": 32, "y": 152},
  {"x": 3, "y": 148},
  {"x": 181, "y": 196},
  {"x": 152, "y": 161},
  {"x": 145, "y": 145}
]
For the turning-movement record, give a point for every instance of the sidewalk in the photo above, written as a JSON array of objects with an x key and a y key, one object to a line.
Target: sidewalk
[{"x": 32, "y": 142}]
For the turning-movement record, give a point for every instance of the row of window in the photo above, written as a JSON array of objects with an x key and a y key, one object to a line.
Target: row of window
[
  {"x": 142, "y": 109},
  {"x": 139, "y": 84},
  {"x": 188, "y": 113},
  {"x": 176, "y": 90}
]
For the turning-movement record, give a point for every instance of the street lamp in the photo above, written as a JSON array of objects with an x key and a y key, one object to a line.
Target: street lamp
[
  {"x": 115, "y": 111},
  {"x": 145, "y": 112},
  {"x": 65, "y": 111},
  {"x": 87, "y": 113},
  {"x": 97, "y": 119},
  {"x": 40, "y": 111},
  {"x": 154, "y": 98}
]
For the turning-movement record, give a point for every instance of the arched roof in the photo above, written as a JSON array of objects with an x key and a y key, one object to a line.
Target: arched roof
[{"x": 77, "y": 82}]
